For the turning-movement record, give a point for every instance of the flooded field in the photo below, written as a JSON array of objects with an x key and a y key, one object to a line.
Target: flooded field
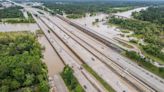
[
  {"x": 127, "y": 14},
  {"x": 53, "y": 62},
  {"x": 5, "y": 27},
  {"x": 103, "y": 27}
]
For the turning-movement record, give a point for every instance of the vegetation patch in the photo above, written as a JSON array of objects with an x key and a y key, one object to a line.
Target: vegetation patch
[
  {"x": 75, "y": 16},
  {"x": 21, "y": 68},
  {"x": 71, "y": 82},
  {"x": 134, "y": 41},
  {"x": 19, "y": 20},
  {"x": 30, "y": 18},
  {"x": 125, "y": 31},
  {"x": 152, "y": 14},
  {"x": 11, "y": 12},
  {"x": 124, "y": 43},
  {"x": 81, "y": 8},
  {"x": 14, "y": 15},
  {"x": 104, "y": 83},
  {"x": 144, "y": 62},
  {"x": 118, "y": 9},
  {"x": 150, "y": 32},
  {"x": 95, "y": 22}
]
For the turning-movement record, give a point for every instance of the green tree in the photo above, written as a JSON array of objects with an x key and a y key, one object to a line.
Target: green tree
[
  {"x": 29, "y": 79},
  {"x": 14, "y": 84},
  {"x": 27, "y": 89},
  {"x": 43, "y": 87},
  {"x": 4, "y": 88},
  {"x": 19, "y": 74}
]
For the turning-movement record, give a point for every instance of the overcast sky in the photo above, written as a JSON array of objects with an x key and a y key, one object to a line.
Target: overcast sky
[
  {"x": 107, "y": 0},
  {"x": 113, "y": 0},
  {"x": 103, "y": 0}
]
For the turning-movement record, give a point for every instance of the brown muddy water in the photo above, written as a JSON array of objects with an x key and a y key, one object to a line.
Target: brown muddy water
[{"x": 53, "y": 62}]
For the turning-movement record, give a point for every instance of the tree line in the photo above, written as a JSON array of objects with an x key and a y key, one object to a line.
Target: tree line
[
  {"x": 152, "y": 14},
  {"x": 79, "y": 9},
  {"x": 19, "y": 20}
]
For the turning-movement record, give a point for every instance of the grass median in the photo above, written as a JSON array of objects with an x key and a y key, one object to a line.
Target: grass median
[
  {"x": 70, "y": 80},
  {"x": 104, "y": 83}
]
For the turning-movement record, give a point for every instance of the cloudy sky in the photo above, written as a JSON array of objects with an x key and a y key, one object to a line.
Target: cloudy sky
[
  {"x": 114, "y": 0},
  {"x": 107, "y": 0},
  {"x": 103, "y": 0}
]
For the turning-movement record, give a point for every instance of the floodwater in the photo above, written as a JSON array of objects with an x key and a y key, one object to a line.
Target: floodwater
[
  {"x": 128, "y": 14},
  {"x": 5, "y": 27},
  {"x": 51, "y": 59},
  {"x": 103, "y": 27},
  {"x": 100, "y": 27},
  {"x": 25, "y": 14}
]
